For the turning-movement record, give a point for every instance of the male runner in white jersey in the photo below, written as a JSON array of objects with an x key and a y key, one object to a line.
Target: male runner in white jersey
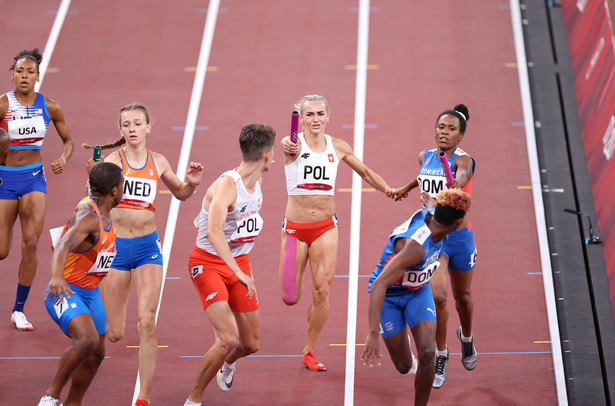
[{"x": 228, "y": 224}]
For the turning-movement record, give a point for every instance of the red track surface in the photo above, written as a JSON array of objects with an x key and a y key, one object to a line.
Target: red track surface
[{"x": 427, "y": 57}]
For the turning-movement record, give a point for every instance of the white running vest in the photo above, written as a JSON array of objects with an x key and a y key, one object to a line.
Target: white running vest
[
  {"x": 311, "y": 173},
  {"x": 241, "y": 226}
]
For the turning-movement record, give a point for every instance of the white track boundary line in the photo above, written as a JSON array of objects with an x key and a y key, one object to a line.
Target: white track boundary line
[
  {"x": 193, "y": 110},
  {"x": 530, "y": 135},
  {"x": 51, "y": 42},
  {"x": 355, "y": 217}
]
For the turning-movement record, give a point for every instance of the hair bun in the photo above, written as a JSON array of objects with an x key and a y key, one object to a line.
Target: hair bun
[{"x": 461, "y": 108}]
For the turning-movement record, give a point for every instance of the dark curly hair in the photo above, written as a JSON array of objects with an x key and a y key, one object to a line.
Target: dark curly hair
[{"x": 33, "y": 54}]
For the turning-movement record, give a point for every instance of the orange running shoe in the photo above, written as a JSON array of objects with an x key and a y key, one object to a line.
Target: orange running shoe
[{"x": 310, "y": 362}]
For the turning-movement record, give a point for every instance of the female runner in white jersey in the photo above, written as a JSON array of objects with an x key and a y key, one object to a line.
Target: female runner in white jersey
[
  {"x": 459, "y": 253},
  {"x": 26, "y": 115},
  {"x": 310, "y": 223},
  {"x": 138, "y": 246}
]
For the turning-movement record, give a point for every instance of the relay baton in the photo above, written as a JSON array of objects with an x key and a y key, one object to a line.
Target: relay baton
[
  {"x": 447, "y": 169},
  {"x": 97, "y": 153},
  {"x": 294, "y": 127}
]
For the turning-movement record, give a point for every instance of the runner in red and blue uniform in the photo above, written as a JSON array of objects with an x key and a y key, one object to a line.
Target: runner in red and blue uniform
[
  {"x": 459, "y": 254},
  {"x": 26, "y": 116},
  {"x": 400, "y": 293}
]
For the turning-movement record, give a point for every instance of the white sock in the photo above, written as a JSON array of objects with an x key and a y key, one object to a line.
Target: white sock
[
  {"x": 466, "y": 339},
  {"x": 189, "y": 403},
  {"x": 441, "y": 353},
  {"x": 226, "y": 366}
]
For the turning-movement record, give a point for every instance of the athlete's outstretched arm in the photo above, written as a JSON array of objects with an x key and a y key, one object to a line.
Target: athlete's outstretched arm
[
  {"x": 410, "y": 253},
  {"x": 345, "y": 153}
]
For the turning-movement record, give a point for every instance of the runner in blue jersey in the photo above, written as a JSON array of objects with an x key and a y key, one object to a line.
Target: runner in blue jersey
[
  {"x": 400, "y": 293},
  {"x": 459, "y": 253},
  {"x": 26, "y": 115}
]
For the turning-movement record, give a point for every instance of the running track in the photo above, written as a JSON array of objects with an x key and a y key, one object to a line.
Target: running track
[{"x": 423, "y": 57}]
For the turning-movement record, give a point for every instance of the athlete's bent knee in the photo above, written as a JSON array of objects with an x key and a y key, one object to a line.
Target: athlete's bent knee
[
  {"x": 228, "y": 343},
  {"x": 464, "y": 299},
  {"x": 98, "y": 356},
  {"x": 86, "y": 346},
  {"x": 441, "y": 301},
  {"x": 147, "y": 325},
  {"x": 29, "y": 245},
  {"x": 402, "y": 366},
  {"x": 252, "y": 347},
  {"x": 114, "y": 335},
  {"x": 320, "y": 295}
]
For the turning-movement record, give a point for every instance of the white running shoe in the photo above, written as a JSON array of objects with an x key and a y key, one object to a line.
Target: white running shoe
[
  {"x": 440, "y": 376},
  {"x": 20, "y": 322},
  {"x": 224, "y": 377},
  {"x": 48, "y": 401},
  {"x": 468, "y": 352}
]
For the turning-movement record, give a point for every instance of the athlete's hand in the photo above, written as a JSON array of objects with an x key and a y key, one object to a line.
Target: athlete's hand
[
  {"x": 371, "y": 352},
  {"x": 194, "y": 173},
  {"x": 92, "y": 163},
  {"x": 248, "y": 282},
  {"x": 389, "y": 193},
  {"x": 289, "y": 147},
  {"x": 398, "y": 194},
  {"x": 57, "y": 288},
  {"x": 57, "y": 166},
  {"x": 428, "y": 201}
]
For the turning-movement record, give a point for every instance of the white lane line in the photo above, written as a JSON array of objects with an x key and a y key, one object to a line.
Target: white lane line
[
  {"x": 530, "y": 136},
  {"x": 355, "y": 217},
  {"x": 51, "y": 42},
  {"x": 193, "y": 110}
]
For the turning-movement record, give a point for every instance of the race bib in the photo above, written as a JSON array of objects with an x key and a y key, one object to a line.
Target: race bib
[
  {"x": 102, "y": 264},
  {"x": 415, "y": 279},
  {"x": 139, "y": 192},
  {"x": 432, "y": 184},
  {"x": 248, "y": 229},
  {"x": 27, "y": 131}
]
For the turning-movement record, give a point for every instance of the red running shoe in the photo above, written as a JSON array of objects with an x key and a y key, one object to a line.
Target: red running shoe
[{"x": 310, "y": 361}]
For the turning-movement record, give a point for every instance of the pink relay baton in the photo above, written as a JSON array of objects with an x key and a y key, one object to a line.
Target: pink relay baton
[
  {"x": 447, "y": 169},
  {"x": 294, "y": 127}
]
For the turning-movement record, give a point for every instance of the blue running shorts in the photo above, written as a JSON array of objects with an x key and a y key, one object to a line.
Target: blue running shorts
[
  {"x": 17, "y": 181},
  {"x": 411, "y": 308},
  {"x": 134, "y": 252},
  {"x": 83, "y": 301},
  {"x": 460, "y": 249}
]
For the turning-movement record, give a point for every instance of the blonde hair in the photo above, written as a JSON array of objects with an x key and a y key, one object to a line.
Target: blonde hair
[{"x": 311, "y": 97}]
